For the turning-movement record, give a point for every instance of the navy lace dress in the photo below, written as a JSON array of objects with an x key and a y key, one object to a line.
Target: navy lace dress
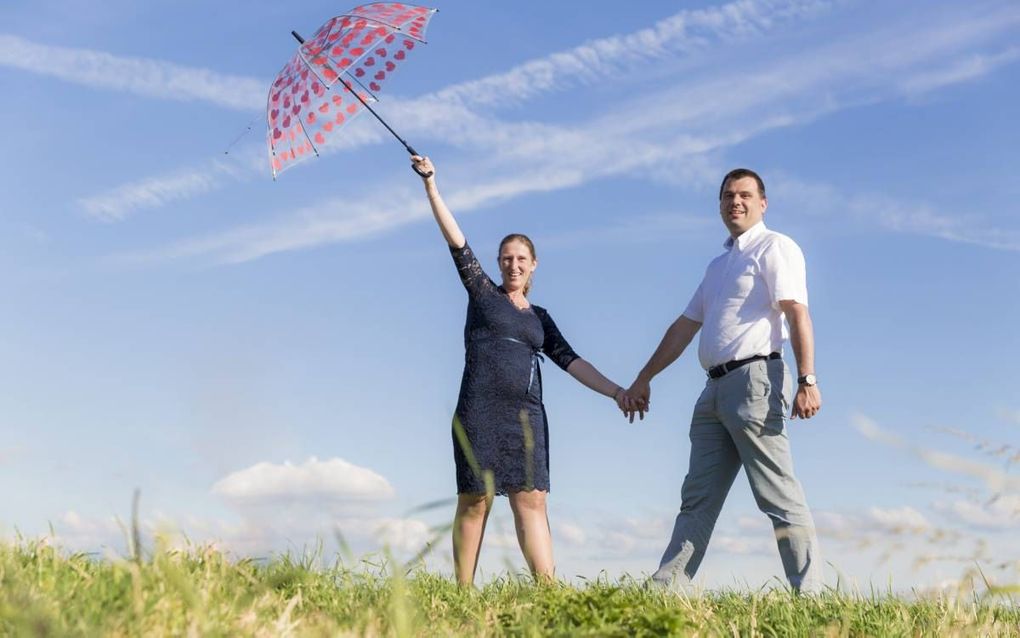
[{"x": 500, "y": 429}]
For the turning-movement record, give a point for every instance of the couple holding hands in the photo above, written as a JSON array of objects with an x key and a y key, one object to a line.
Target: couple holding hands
[{"x": 500, "y": 432}]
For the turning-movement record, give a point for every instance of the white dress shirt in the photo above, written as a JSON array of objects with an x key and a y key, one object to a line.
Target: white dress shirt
[{"x": 737, "y": 302}]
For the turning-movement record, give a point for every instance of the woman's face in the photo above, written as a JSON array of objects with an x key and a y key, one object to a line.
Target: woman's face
[{"x": 515, "y": 265}]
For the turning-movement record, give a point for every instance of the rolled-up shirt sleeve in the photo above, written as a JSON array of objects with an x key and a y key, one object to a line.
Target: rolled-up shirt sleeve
[
  {"x": 785, "y": 272},
  {"x": 695, "y": 310}
]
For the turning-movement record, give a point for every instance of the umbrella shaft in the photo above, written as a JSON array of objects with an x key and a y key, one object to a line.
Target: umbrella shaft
[{"x": 381, "y": 121}]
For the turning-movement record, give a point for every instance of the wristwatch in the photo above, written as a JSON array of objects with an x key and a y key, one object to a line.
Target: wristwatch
[{"x": 807, "y": 379}]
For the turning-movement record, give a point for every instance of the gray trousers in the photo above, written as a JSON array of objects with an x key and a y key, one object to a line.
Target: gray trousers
[{"x": 739, "y": 421}]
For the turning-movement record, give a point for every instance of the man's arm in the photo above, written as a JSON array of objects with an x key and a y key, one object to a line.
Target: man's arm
[
  {"x": 678, "y": 336},
  {"x": 808, "y": 400}
]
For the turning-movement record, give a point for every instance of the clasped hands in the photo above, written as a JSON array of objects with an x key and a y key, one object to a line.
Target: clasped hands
[{"x": 634, "y": 400}]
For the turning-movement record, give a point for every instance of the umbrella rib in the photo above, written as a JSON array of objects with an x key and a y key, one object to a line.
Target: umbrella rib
[
  {"x": 385, "y": 24},
  {"x": 394, "y": 27},
  {"x": 316, "y": 73},
  {"x": 360, "y": 99},
  {"x": 269, "y": 131},
  {"x": 307, "y": 137},
  {"x": 367, "y": 90}
]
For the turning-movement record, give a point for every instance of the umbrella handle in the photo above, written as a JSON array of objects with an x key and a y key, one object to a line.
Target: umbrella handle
[{"x": 410, "y": 149}]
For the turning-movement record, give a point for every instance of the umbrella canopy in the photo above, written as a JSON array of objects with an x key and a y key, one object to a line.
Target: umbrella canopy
[{"x": 335, "y": 74}]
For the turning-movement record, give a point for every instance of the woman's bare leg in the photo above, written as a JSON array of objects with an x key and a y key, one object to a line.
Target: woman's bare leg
[
  {"x": 532, "y": 522},
  {"x": 468, "y": 530}
]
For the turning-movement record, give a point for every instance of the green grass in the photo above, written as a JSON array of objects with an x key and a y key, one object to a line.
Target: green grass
[{"x": 201, "y": 592}]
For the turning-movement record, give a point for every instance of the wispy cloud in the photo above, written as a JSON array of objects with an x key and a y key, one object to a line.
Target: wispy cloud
[
  {"x": 965, "y": 69},
  {"x": 593, "y": 61},
  {"x": 822, "y": 200},
  {"x": 684, "y": 120},
  {"x": 1002, "y": 513},
  {"x": 253, "y": 535},
  {"x": 686, "y": 30},
  {"x": 445, "y": 114},
  {"x": 151, "y": 192},
  {"x": 333, "y": 220},
  {"x": 142, "y": 76},
  {"x": 679, "y": 125},
  {"x": 994, "y": 479}
]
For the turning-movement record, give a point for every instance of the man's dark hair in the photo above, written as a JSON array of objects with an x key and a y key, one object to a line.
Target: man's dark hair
[{"x": 738, "y": 173}]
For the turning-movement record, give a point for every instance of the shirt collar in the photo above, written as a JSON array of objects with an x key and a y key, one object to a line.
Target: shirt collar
[{"x": 748, "y": 235}]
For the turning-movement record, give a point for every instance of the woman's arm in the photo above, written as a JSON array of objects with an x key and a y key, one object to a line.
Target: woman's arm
[
  {"x": 447, "y": 224},
  {"x": 678, "y": 336},
  {"x": 587, "y": 374}
]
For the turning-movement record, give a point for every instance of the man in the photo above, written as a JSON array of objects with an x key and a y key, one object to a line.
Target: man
[{"x": 739, "y": 419}]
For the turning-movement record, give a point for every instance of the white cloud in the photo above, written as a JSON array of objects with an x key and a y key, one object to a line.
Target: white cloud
[
  {"x": 151, "y": 192},
  {"x": 405, "y": 535},
  {"x": 920, "y": 219},
  {"x": 753, "y": 524},
  {"x": 899, "y": 520},
  {"x": 569, "y": 533},
  {"x": 742, "y": 545},
  {"x": 608, "y": 57},
  {"x": 252, "y": 536},
  {"x": 141, "y": 76},
  {"x": 820, "y": 200},
  {"x": 333, "y": 220},
  {"x": 408, "y": 535},
  {"x": 444, "y": 114},
  {"x": 333, "y": 480},
  {"x": 1002, "y": 513},
  {"x": 995, "y": 480},
  {"x": 161, "y": 79},
  {"x": 968, "y": 68},
  {"x": 680, "y": 123}
]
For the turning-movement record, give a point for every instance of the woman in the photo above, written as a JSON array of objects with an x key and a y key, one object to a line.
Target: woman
[{"x": 500, "y": 436}]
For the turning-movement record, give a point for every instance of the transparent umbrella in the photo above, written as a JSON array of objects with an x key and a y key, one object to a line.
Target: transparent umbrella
[{"x": 336, "y": 74}]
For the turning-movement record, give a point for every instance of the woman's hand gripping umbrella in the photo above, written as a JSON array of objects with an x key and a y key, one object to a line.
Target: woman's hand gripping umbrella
[{"x": 334, "y": 76}]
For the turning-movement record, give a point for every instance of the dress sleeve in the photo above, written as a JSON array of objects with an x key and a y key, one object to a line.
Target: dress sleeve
[
  {"x": 471, "y": 273},
  {"x": 554, "y": 345}
]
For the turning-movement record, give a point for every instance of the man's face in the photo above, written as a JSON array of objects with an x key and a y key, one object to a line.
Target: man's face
[{"x": 741, "y": 206}]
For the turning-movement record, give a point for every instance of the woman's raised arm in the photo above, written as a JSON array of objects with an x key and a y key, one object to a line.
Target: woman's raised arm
[{"x": 447, "y": 224}]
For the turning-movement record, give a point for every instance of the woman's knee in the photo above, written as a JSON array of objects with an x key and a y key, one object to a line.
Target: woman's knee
[
  {"x": 473, "y": 505},
  {"x": 528, "y": 501}
]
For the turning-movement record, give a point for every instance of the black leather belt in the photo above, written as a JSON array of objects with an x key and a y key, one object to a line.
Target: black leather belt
[{"x": 717, "y": 371}]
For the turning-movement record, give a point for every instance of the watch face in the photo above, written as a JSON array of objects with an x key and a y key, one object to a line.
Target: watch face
[{"x": 809, "y": 379}]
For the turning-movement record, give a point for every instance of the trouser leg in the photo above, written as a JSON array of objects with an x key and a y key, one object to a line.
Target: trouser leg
[
  {"x": 714, "y": 464},
  {"x": 752, "y": 406}
]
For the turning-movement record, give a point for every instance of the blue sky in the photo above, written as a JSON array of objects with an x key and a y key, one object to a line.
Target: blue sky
[{"x": 268, "y": 361}]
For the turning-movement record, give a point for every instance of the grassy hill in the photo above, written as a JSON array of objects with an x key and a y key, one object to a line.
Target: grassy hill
[{"x": 202, "y": 592}]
